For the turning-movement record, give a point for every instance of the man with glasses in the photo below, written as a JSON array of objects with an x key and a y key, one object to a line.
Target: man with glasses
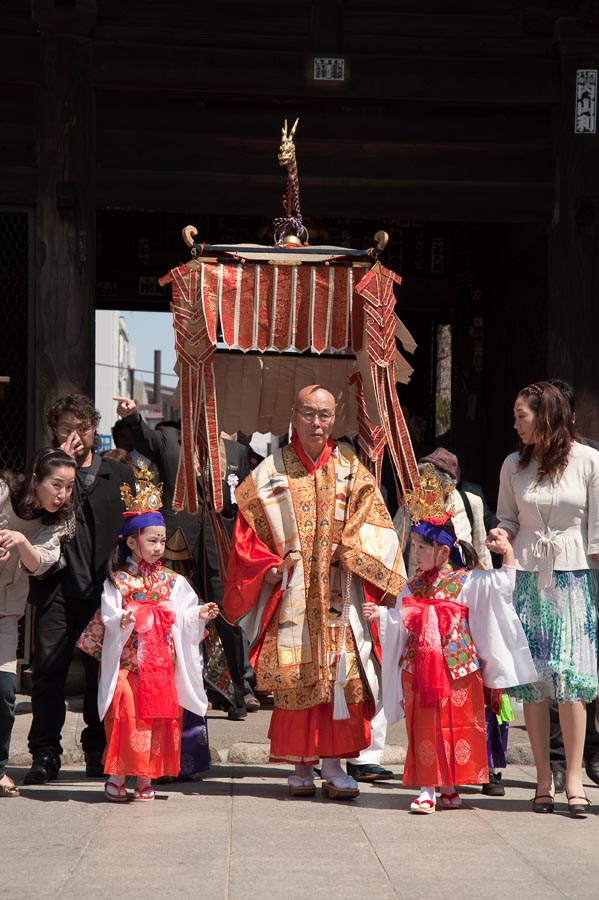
[
  {"x": 312, "y": 541},
  {"x": 67, "y": 599}
]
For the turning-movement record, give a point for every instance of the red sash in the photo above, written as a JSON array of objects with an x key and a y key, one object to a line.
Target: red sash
[
  {"x": 157, "y": 694},
  {"x": 427, "y": 620}
]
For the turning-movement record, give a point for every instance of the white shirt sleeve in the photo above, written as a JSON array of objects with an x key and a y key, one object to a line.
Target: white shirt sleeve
[
  {"x": 507, "y": 507},
  {"x": 593, "y": 507}
]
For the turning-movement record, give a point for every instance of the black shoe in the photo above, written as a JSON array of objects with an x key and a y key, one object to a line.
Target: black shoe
[
  {"x": 93, "y": 764},
  {"x": 494, "y": 788},
  {"x": 237, "y": 714},
  {"x": 369, "y": 772},
  {"x": 559, "y": 776},
  {"x": 592, "y": 769},
  {"x": 576, "y": 810},
  {"x": 252, "y": 704},
  {"x": 542, "y": 803},
  {"x": 44, "y": 768}
]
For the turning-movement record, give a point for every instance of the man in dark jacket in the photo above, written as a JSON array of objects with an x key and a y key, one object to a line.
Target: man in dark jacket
[
  {"x": 162, "y": 445},
  {"x": 67, "y": 599}
]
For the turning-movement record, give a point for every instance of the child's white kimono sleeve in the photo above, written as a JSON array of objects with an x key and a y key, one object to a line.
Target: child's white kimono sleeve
[
  {"x": 115, "y": 639},
  {"x": 393, "y": 636},
  {"x": 496, "y": 629},
  {"x": 188, "y": 631}
]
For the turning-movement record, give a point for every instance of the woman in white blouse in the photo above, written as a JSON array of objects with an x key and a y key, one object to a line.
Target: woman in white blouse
[
  {"x": 35, "y": 512},
  {"x": 548, "y": 506}
]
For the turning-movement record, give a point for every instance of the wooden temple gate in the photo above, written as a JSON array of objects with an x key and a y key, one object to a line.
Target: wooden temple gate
[{"x": 469, "y": 126}]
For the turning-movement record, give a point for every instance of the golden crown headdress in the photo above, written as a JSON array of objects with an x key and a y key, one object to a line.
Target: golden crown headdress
[
  {"x": 148, "y": 495},
  {"x": 430, "y": 499}
]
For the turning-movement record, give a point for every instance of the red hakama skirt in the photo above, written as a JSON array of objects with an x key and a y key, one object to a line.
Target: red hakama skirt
[
  {"x": 135, "y": 746},
  {"x": 446, "y": 742},
  {"x": 304, "y": 736}
]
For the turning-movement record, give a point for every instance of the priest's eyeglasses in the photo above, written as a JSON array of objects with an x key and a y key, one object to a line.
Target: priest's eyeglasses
[{"x": 310, "y": 415}]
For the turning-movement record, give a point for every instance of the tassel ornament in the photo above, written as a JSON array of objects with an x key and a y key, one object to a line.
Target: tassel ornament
[{"x": 340, "y": 710}]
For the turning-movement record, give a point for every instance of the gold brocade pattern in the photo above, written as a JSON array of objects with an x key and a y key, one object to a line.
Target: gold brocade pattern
[
  {"x": 313, "y": 500},
  {"x": 332, "y": 515},
  {"x": 250, "y": 506},
  {"x": 367, "y": 508}
]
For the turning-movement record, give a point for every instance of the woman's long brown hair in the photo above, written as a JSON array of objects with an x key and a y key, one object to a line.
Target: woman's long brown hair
[{"x": 554, "y": 430}]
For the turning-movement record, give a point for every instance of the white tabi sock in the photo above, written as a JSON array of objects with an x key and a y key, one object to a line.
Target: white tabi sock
[
  {"x": 332, "y": 770},
  {"x": 427, "y": 793}
]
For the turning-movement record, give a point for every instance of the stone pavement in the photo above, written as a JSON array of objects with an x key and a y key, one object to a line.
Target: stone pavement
[{"x": 237, "y": 835}]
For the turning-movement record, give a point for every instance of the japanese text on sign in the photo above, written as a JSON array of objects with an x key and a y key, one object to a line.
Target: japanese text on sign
[
  {"x": 586, "y": 101},
  {"x": 329, "y": 69}
]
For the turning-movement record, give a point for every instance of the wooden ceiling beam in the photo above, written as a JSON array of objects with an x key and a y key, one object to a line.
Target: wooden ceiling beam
[
  {"x": 212, "y": 72},
  {"x": 215, "y": 193},
  {"x": 208, "y": 72}
]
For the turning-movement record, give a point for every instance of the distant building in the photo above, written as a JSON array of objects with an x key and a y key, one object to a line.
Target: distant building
[
  {"x": 152, "y": 411},
  {"x": 115, "y": 360}
]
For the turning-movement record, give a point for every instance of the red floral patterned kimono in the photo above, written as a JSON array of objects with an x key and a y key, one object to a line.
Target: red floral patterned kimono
[
  {"x": 143, "y": 721},
  {"x": 442, "y": 684}
]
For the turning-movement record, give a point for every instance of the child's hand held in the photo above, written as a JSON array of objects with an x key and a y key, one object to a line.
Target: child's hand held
[
  {"x": 371, "y": 611},
  {"x": 208, "y": 611},
  {"x": 127, "y": 619}
]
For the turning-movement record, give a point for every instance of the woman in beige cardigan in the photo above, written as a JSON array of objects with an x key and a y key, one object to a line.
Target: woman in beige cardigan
[
  {"x": 548, "y": 506},
  {"x": 34, "y": 513}
]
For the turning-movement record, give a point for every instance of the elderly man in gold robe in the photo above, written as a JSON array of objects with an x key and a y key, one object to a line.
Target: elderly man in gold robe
[{"x": 312, "y": 542}]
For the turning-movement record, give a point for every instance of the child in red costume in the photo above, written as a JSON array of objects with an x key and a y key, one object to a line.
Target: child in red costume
[
  {"x": 148, "y": 640},
  {"x": 452, "y": 630}
]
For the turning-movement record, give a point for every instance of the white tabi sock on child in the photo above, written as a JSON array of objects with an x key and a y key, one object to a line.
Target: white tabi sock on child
[{"x": 427, "y": 793}]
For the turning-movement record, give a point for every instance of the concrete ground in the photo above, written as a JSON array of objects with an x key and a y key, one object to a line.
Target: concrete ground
[{"x": 237, "y": 835}]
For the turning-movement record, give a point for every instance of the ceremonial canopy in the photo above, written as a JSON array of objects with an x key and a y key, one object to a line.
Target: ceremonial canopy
[{"x": 254, "y": 324}]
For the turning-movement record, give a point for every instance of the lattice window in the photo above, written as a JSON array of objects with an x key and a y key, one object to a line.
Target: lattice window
[{"x": 14, "y": 302}]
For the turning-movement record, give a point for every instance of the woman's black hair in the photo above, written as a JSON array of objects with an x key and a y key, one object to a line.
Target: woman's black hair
[
  {"x": 116, "y": 560},
  {"x": 22, "y": 489},
  {"x": 469, "y": 554}
]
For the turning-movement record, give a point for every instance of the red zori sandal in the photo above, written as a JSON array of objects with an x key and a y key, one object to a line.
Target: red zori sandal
[
  {"x": 422, "y": 807},
  {"x": 116, "y": 793},
  {"x": 451, "y": 801},
  {"x": 143, "y": 792}
]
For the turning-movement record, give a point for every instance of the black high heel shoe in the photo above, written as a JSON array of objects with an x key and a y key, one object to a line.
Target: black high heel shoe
[
  {"x": 543, "y": 803},
  {"x": 578, "y": 809}
]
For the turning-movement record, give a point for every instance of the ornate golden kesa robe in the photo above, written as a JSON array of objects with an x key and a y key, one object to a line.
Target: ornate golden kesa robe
[{"x": 336, "y": 518}]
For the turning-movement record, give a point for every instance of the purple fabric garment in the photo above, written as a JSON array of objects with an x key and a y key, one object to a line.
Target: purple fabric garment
[
  {"x": 497, "y": 736},
  {"x": 195, "y": 751},
  {"x": 131, "y": 524}
]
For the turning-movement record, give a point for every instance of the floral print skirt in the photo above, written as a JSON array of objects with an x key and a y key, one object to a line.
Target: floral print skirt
[{"x": 560, "y": 624}]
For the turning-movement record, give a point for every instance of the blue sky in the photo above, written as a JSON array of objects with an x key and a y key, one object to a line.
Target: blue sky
[{"x": 150, "y": 331}]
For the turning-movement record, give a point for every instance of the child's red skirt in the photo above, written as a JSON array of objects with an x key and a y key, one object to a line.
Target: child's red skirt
[
  {"x": 446, "y": 742},
  {"x": 135, "y": 746}
]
